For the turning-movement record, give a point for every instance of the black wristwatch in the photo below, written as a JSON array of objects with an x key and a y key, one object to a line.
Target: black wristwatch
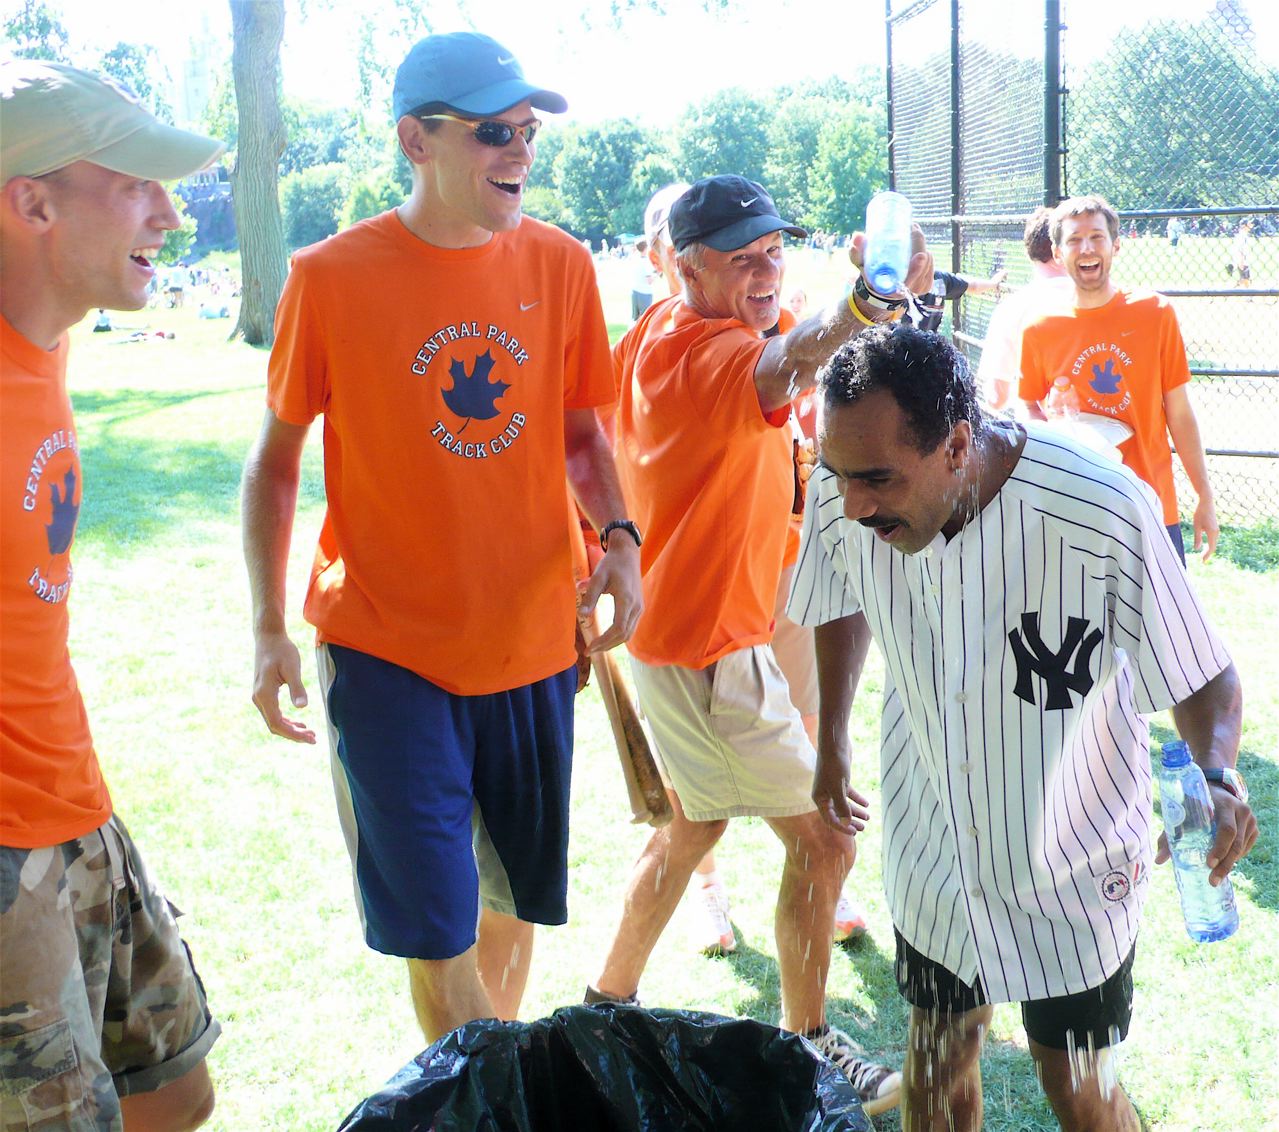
[
  {"x": 620, "y": 525},
  {"x": 1230, "y": 778}
]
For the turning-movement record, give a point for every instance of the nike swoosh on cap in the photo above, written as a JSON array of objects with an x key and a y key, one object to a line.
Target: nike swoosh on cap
[
  {"x": 505, "y": 60},
  {"x": 748, "y": 203}
]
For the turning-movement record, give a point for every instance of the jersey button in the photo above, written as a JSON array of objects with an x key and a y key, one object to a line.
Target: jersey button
[
  {"x": 961, "y": 697},
  {"x": 972, "y": 831},
  {"x": 965, "y": 768},
  {"x": 975, "y": 893}
]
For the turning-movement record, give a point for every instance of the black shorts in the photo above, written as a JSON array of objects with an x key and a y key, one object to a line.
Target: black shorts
[{"x": 1091, "y": 1019}]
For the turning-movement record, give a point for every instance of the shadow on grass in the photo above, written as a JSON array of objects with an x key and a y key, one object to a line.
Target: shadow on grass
[
  {"x": 141, "y": 491},
  {"x": 126, "y": 404},
  {"x": 1010, "y": 1086},
  {"x": 1262, "y": 776}
]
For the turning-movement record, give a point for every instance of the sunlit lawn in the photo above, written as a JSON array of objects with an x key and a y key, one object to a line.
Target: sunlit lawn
[{"x": 241, "y": 829}]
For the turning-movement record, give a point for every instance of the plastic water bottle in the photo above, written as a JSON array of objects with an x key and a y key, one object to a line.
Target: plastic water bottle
[
  {"x": 887, "y": 254},
  {"x": 1210, "y": 913},
  {"x": 1062, "y": 402}
]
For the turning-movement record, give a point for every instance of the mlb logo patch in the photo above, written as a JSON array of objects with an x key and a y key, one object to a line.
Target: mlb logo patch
[{"x": 1118, "y": 884}]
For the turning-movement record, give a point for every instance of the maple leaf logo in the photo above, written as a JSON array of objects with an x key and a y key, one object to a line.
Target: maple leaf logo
[
  {"x": 473, "y": 396},
  {"x": 1106, "y": 380},
  {"x": 65, "y": 510}
]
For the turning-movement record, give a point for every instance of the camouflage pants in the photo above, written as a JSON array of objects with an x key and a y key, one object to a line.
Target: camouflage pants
[{"x": 98, "y": 995}]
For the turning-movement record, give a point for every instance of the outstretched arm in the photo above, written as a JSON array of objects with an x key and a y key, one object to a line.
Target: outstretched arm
[
  {"x": 593, "y": 478},
  {"x": 790, "y": 362},
  {"x": 268, "y": 501}
]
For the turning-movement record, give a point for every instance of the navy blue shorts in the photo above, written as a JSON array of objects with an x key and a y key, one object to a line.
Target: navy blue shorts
[{"x": 448, "y": 800}]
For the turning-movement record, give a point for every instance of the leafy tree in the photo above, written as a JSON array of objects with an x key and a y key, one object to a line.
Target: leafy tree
[
  {"x": 654, "y": 170},
  {"x": 140, "y": 70},
  {"x": 221, "y": 119},
  {"x": 35, "y": 32},
  {"x": 542, "y": 202},
  {"x": 726, "y": 134},
  {"x": 311, "y": 201},
  {"x": 317, "y": 136},
  {"x": 371, "y": 195},
  {"x": 593, "y": 175},
  {"x": 178, "y": 241},
  {"x": 850, "y": 166},
  {"x": 793, "y": 136},
  {"x": 1191, "y": 123}
]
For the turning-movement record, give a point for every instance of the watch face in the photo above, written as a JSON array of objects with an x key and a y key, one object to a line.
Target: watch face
[{"x": 1234, "y": 780}]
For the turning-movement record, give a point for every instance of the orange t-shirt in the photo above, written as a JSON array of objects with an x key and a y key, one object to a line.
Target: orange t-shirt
[
  {"x": 443, "y": 376},
  {"x": 51, "y": 786},
  {"x": 1122, "y": 358},
  {"x": 709, "y": 479}
]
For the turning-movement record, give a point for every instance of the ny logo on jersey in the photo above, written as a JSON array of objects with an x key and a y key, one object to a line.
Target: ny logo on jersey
[{"x": 1035, "y": 658}]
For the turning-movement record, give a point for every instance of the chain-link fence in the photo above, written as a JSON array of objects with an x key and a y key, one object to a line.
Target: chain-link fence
[{"x": 997, "y": 108}]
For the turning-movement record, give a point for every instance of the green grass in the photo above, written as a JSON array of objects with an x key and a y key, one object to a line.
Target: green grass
[{"x": 240, "y": 827}]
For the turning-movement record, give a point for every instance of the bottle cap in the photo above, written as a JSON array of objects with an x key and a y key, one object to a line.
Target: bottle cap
[{"x": 1176, "y": 753}]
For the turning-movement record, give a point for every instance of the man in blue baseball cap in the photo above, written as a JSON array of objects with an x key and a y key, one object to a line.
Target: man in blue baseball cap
[
  {"x": 457, "y": 350},
  {"x": 705, "y": 455}
]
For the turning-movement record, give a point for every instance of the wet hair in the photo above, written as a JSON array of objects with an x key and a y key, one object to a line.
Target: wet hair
[
  {"x": 1037, "y": 235},
  {"x": 1080, "y": 206},
  {"x": 927, "y": 377},
  {"x": 692, "y": 256}
]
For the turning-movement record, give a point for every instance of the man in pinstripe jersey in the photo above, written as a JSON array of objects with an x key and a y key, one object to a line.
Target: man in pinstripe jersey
[{"x": 1031, "y": 612}]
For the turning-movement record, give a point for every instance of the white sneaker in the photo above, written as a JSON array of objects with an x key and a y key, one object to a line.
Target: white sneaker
[
  {"x": 850, "y": 921},
  {"x": 879, "y": 1087},
  {"x": 713, "y": 929}
]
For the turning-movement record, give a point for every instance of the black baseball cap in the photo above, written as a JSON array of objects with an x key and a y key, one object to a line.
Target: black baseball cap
[{"x": 726, "y": 212}]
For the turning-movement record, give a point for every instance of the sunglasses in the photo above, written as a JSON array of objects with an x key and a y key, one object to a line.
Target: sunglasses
[{"x": 491, "y": 131}]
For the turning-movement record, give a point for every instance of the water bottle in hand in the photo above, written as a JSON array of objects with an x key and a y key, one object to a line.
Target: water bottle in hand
[
  {"x": 1210, "y": 913},
  {"x": 887, "y": 254},
  {"x": 1062, "y": 402}
]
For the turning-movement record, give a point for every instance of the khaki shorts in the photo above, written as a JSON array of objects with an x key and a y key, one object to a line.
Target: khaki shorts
[
  {"x": 730, "y": 741},
  {"x": 99, "y": 998},
  {"x": 796, "y": 654}
]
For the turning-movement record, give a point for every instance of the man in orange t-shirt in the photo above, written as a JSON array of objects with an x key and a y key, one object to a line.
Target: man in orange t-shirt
[
  {"x": 1125, "y": 358},
  {"x": 705, "y": 455},
  {"x": 456, "y": 351},
  {"x": 90, "y": 946}
]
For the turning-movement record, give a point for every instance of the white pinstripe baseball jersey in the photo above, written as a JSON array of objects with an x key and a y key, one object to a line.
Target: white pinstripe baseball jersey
[{"x": 1019, "y": 656}]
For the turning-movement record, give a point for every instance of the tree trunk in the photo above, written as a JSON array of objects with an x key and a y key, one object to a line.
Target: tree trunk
[{"x": 258, "y": 29}]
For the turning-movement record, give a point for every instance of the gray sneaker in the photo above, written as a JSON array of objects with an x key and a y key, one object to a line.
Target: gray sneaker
[
  {"x": 595, "y": 997},
  {"x": 879, "y": 1087}
]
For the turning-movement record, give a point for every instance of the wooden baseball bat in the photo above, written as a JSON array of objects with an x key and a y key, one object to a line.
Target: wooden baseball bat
[
  {"x": 649, "y": 801},
  {"x": 644, "y": 786}
]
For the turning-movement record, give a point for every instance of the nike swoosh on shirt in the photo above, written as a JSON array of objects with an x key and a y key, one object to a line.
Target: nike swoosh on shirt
[{"x": 529, "y": 306}]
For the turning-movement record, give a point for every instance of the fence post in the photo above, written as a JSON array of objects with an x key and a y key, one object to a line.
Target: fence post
[
  {"x": 1052, "y": 103},
  {"x": 956, "y": 243}
]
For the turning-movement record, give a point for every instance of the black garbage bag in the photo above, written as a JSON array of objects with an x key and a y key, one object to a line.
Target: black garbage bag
[{"x": 615, "y": 1069}]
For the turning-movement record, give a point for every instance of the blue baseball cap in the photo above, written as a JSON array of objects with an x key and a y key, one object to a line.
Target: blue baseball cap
[{"x": 469, "y": 73}]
